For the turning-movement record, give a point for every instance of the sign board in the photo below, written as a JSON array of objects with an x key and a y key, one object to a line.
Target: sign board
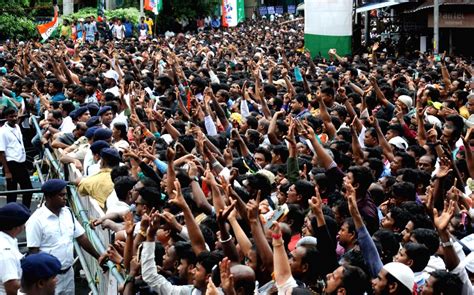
[
  {"x": 453, "y": 20},
  {"x": 279, "y": 10},
  {"x": 292, "y": 9},
  {"x": 271, "y": 9},
  {"x": 262, "y": 10}
]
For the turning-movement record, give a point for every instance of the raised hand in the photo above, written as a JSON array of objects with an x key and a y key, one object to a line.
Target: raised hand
[
  {"x": 252, "y": 208},
  {"x": 227, "y": 278},
  {"x": 441, "y": 221},
  {"x": 444, "y": 167},
  {"x": 129, "y": 224},
  {"x": 316, "y": 203},
  {"x": 178, "y": 198},
  {"x": 223, "y": 214}
]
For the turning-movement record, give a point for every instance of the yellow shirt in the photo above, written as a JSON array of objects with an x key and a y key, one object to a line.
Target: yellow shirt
[
  {"x": 149, "y": 22},
  {"x": 98, "y": 186}
]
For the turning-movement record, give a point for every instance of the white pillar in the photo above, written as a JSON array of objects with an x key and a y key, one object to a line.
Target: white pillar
[
  {"x": 436, "y": 27},
  {"x": 68, "y": 7}
]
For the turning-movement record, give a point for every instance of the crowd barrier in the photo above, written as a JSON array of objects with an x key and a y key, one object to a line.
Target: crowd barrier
[{"x": 85, "y": 209}]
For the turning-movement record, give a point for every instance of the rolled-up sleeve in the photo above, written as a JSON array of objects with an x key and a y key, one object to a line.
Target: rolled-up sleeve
[{"x": 155, "y": 281}]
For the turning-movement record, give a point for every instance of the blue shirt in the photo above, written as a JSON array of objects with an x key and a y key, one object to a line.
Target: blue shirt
[
  {"x": 90, "y": 30},
  {"x": 58, "y": 97}
]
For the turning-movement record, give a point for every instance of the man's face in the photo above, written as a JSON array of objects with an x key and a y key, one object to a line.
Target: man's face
[
  {"x": 12, "y": 119},
  {"x": 379, "y": 284},
  {"x": 53, "y": 121},
  {"x": 406, "y": 233},
  {"x": 428, "y": 287},
  {"x": 183, "y": 268},
  {"x": 169, "y": 259},
  {"x": 425, "y": 164},
  {"x": 292, "y": 195},
  {"x": 334, "y": 280},
  {"x": 345, "y": 237},
  {"x": 84, "y": 117},
  {"x": 107, "y": 117},
  {"x": 59, "y": 199},
  {"x": 296, "y": 264},
  {"x": 369, "y": 140},
  {"x": 396, "y": 164},
  {"x": 402, "y": 257},
  {"x": 140, "y": 206},
  {"x": 296, "y": 107},
  {"x": 50, "y": 285},
  {"x": 89, "y": 89},
  {"x": 200, "y": 277},
  {"x": 51, "y": 89},
  {"x": 260, "y": 159},
  {"x": 387, "y": 221}
]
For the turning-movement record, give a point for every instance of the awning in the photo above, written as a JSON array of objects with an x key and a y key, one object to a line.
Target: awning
[
  {"x": 429, "y": 4},
  {"x": 372, "y": 6}
]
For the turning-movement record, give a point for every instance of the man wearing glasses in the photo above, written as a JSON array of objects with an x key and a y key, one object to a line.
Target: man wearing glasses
[{"x": 52, "y": 228}]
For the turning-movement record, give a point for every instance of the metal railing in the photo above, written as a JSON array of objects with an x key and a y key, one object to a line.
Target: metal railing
[{"x": 85, "y": 209}]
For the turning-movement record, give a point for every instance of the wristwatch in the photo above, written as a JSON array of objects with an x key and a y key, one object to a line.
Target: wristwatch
[{"x": 446, "y": 244}]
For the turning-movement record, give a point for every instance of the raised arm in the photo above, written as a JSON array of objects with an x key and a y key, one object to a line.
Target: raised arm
[
  {"x": 195, "y": 235},
  {"x": 263, "y": 249}
]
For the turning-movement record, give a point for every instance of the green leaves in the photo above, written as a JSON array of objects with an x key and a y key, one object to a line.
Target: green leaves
[{"x": 15, "y": 27}]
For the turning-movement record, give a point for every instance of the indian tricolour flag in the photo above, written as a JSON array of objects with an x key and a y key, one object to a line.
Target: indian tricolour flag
[
  {"x": 233, "y": 12},
  {"x": 328, "y": 24},
  {"x": 47, "y": 29}
]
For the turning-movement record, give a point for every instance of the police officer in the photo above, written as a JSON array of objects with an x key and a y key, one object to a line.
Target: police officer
[
  {"x": 52, "y": 228},
  {"x": 40, "y": 274},
  {"x": 13, "y": 217}
]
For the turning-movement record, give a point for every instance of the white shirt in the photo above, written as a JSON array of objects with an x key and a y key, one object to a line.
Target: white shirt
[
  {"x": 68, "y": 125},
  {"x": 11, "y": 142},
  {"x": 114, "y": 205},
  {"x": 119, "y": 31},
  {"x": 54, "y": 234},
  {"x": 10, "y": 267},
  {"x": 88, "y": 161}
]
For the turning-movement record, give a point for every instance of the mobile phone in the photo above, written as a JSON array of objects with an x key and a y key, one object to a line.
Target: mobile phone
[{"x": 278, "y": 215}]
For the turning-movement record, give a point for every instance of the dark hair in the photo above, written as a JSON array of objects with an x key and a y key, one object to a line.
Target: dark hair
[
  {"x": 151, "y": 196},
  {"x": 118, "y": 171},
  {"x": 266, "y": 154},
  {"x": 122, "y": 185},
  {"x": 329, "y": 91},
  {"x": 404, "y": 191},
  {"x": 305, "y": 189},
  {"x": 420, "y": 255},
  {"x": 402, "y": 289},
  {"x": 123, "y": 130},
  {"x": 188, "y": 142},
  {"x": 446, "y": 283},
  {"x": 260, "y": 182},
  {"x": 282, "y": 151},
  {"x": 67, "y": 106},
  {"x": 377, "y": 166},
  {"x": 295, "y": 214},
  {"x": 400, "y": 216},
  {"x": 270, "y": 89},
  {"x": 387, "y": 244},
  {"x": 8, "y": 111},
  {"x": 427, "y": 237},
  {"x": 355, "y": 281},
  {"x": 311, "y": 255},
  {"x": 362, "y": 176},
  {"x": 407, "y": 160},
  {"x": 57, "y": 84},
  {"x": 303, "y": 99},
  {"x": 185, "y": 251},
  {"x": 208, "y": 260}
]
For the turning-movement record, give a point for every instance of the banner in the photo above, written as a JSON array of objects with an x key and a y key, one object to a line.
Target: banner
[
  {"x": 328, "y": 24},
  {"x": 47, "y": 29},
  {"x": 154, "y": 6},
  {"x": 233, "y": 12}
]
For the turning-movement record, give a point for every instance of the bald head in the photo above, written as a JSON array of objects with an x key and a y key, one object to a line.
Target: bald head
[{"x": 244, "y": 278}]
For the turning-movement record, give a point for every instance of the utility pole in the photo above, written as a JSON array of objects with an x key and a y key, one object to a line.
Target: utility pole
[
  {"x": 436, "y": 27},
  {"x": 141, "y": 8}
]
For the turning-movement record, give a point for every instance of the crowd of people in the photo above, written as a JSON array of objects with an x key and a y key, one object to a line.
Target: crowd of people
[{"x": 236, "y": 162}]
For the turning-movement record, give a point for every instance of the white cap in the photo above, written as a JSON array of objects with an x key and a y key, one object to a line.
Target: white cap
[
  {"x": 402, "y": 273},
  {"x": 406, "y": 100},
  {"x": 399, "y": 142},
  {"x": 111, "y": 74},
  {"x": 268, "y": 174}
]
